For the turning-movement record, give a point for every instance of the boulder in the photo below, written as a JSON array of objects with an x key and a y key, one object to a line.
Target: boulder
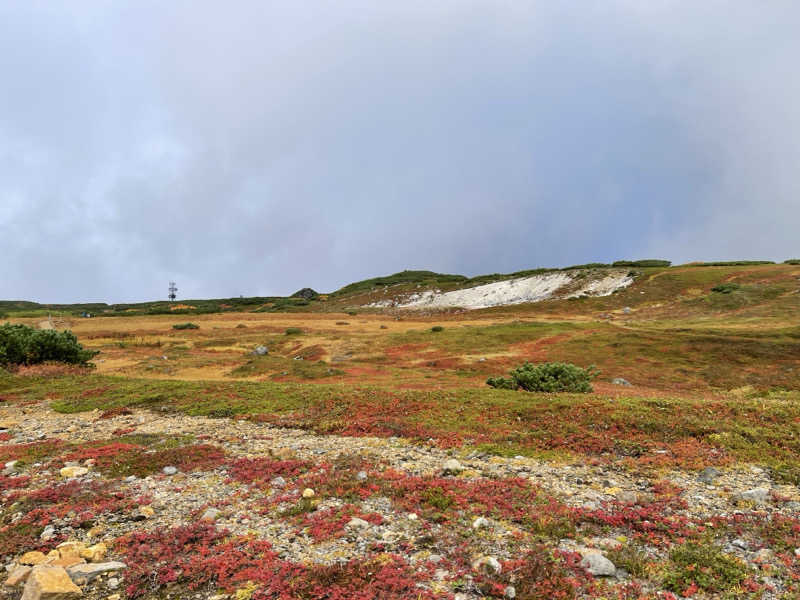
[
  {"x": 89, "y": 571},
  {"x": 49, "y": 583},
  {"x": 597, "y": 564},
  {"x": 452, "y": 467},
  {"x": 620, "y": 381},
  {"x": 70, "y": 472}
]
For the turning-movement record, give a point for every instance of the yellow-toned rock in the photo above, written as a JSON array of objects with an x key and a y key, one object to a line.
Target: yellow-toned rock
[
  {"x": 49, "y": 583},
  {"x": 8, "y": 423},
  {"x": 285, "y": 454},
  {"x": 95, "y": 553},
  {"x": 18, "y": 576},
  {"x": 32, "y": 558},
  {"x": 308, "y": 493},
  {"x": 67, "y": 561},
  {"x": 69, "y": 472},
  {"x": 96, "y": 531},
  {"x": 147, "y": 511},
  {"x": 71, "y": 549}
]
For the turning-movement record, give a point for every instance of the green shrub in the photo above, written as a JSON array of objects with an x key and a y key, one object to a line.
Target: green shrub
[
  {"x": 704, "y": 565},
  {"x": 437, "y": 328},
  {"x": 186, "y": 326},
  {"x": 23, "y": 345},
  {"x": 293, "y": 331},
  {"x": 547, "y": 377},
  {"x": 649, "y": 262},
  {"x": 731, "y": 263},
  {"x": 792, "y": 261},
  {"x": 725, "y": 288},
  {"x": 502, "y": 383}
]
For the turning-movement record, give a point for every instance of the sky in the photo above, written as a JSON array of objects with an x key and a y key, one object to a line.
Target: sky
[{"x": 256, "y": 147}]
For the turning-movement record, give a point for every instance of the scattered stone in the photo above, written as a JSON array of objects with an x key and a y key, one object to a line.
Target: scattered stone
[
  {"x": 114, "y": 597},
  {"x": 169, "y": 470},
  {"x": 361, "y": 475},
  {"x": 356, "y": 523},
  {"x": 756, "y": 495},
  {"x": 412, "y": 516},
  {"x": 597, "y": 564},
  {"x": 627, "y": 497},
  {"x": 261, "y": 350},
  {"x": 18, "y": 576},
  {"x": 71, "y": 472},
  {"x": 308, "y": 493},
  {"x": 708, "y": 475},
  {"x": 488, "y": 564},
  {"x": 278, "y": 482},
  {"x": 48, "y": 533},
  {"x": 211, "y": 514},
  {"x": 452, "y": 467},
  {"x": 49, "y": 583},
  {"x": 113, "y": 583},
  {"x": 510, "y": 591},
  {"x": 480, "y": 522},
  {"x": 621, "y": 381}
]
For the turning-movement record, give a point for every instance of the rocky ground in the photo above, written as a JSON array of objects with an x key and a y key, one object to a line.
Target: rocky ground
[{"x": 152, "y": 505}]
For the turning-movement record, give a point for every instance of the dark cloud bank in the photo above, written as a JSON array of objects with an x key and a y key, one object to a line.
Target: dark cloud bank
[{"x": 258, "y": 147}]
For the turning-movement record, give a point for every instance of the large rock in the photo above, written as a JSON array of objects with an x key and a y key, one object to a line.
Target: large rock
[
  {"x": 759, "y": 495},
  {"x": 49, "y": 583},
  {"x": 452, "y": 467},
  {"x": 597, "y": 564},
  {"x": 70, "y": 472},
  {"x": 306, "y": 294},
  {"x": 708, "y": 475},
  {"x": 88, "y": 571}
]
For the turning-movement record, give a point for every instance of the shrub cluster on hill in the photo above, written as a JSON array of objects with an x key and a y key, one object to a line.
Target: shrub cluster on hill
[
  {"x": 23, "y": 345},
  {"x": 725, "y": 288},
  {"x": 186, "y": 326},
  {"x": 732, "y": 263},
  {"x": 547, "y": 377}
]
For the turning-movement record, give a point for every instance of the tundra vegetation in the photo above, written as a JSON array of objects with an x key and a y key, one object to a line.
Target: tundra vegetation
[{"x": 372, "y": 460}]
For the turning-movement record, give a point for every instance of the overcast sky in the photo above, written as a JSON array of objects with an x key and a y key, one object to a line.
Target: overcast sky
[{"x": 258, "y": 147}]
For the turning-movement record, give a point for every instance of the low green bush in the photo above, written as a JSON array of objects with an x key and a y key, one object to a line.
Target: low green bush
[
  {"x": 792, "y": 261},
  {"x": 293, "y": 331},
  {"x": 648, "y": 262},
  {"x": 547, "y": 377},
  {"x": 725, "y": 288},
  {"x": 23, "y": 345},
  {"x": 705, "y": 566},
  {"x": 186, "y": 326},
  {"x": 437, "y": 328}
]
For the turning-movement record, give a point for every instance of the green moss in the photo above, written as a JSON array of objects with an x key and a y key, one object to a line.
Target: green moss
[{"x": 705, "y": 566}]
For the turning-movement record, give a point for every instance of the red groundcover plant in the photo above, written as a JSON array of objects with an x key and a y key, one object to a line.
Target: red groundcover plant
[{"x": 199, "y": 556}]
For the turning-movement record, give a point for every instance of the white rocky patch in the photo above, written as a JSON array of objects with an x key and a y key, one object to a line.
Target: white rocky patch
[{"x": 512, "y": 291}]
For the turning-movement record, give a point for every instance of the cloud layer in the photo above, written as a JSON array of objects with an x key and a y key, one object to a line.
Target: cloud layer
[{"x": 261, "y": 147}]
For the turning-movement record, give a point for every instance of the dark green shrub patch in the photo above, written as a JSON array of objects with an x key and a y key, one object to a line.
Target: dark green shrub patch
[
  {"x": 186, "y": 326},
  {"x": 547, "y": 377},
  {"x": 23, "y": 345},
  {"x": 725, "y": 288}
]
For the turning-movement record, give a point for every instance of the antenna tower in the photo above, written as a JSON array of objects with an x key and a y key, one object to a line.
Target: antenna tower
[{"x": 172, "y": 291}]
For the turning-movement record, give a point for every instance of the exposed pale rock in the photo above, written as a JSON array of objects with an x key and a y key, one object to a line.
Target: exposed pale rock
[
  {"x": 89, "y": 571},
  {"x": 18, "y": 575},
  {"x": 308, "y": 493},
  {"x": 70, "y": 472},
  {"x": 452, "y": 467},
  {"x": 597, "y": 564},
  {"x": 356, "y": 523}
]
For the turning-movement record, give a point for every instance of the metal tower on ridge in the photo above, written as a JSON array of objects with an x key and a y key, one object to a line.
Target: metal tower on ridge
[{"x": 172, "y": 291}]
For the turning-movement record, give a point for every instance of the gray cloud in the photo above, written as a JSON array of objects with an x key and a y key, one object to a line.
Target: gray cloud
[{"x": 262, "y": 147}]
